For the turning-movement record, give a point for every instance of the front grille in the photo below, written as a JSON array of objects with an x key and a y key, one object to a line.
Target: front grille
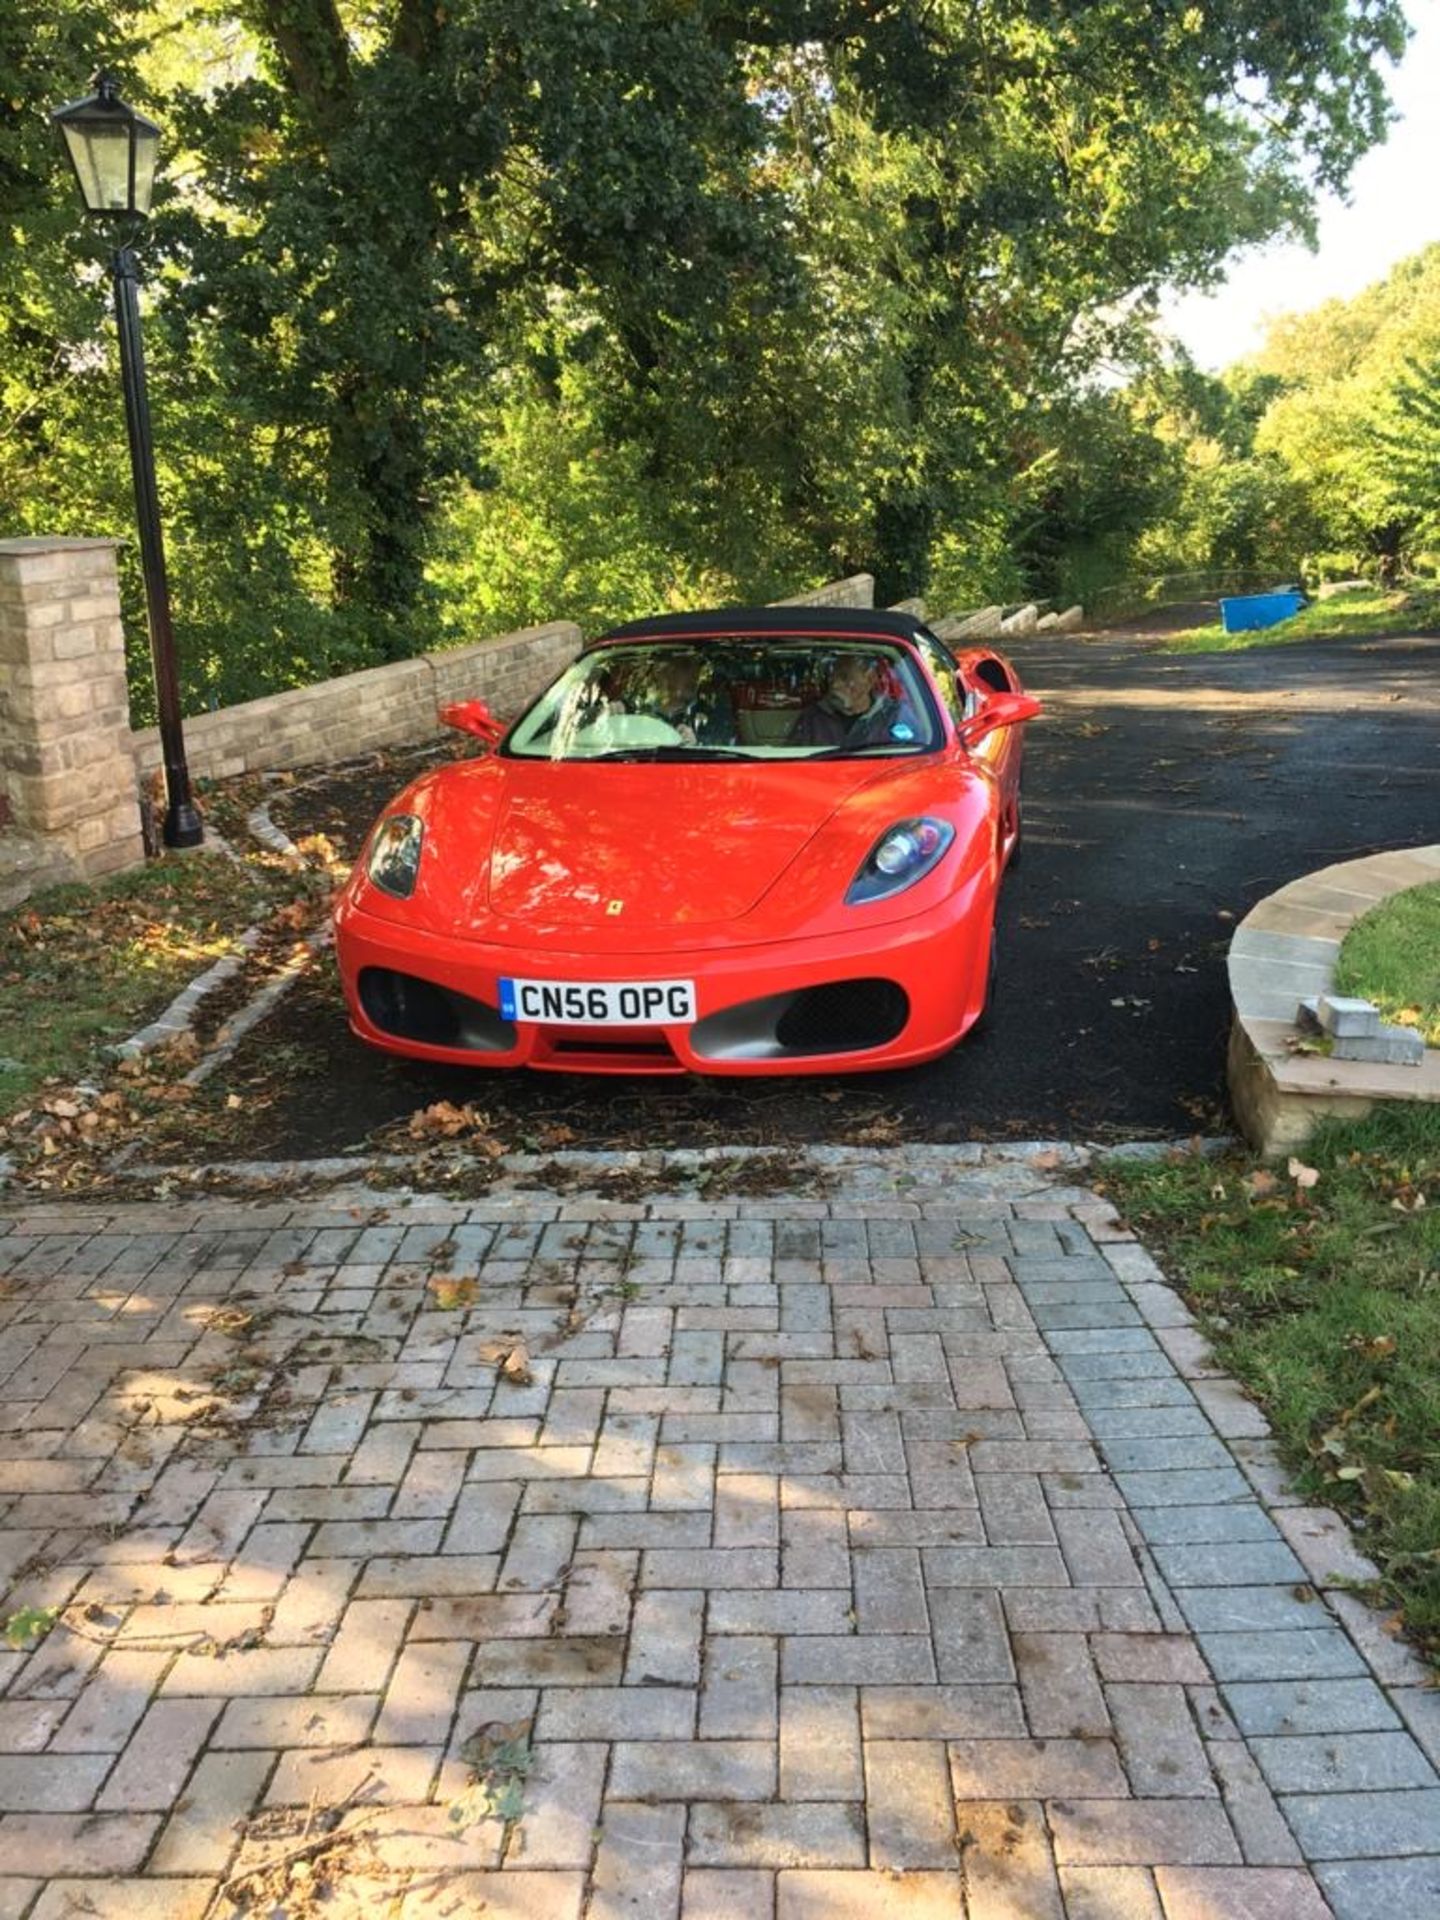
[
  {"x": 844, "y": 1016},
  {"x": 612, "y": 1047},
  {"x": 408, "y": 1008}
]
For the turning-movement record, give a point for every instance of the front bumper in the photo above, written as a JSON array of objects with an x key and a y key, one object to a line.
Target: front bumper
[{"x": 925, "y": 979}]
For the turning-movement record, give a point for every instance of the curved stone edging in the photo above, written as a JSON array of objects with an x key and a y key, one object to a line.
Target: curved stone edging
[{"x": 1285, "y": 950}]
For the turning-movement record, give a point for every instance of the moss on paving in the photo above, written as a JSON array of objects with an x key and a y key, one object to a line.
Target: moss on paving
[
  {"x": 1391, "y": 955},
  {"x": 1324, "y": 1299}
]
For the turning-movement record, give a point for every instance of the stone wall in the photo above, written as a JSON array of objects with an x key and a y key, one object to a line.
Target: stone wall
[
  {"x": 69, "y": 802},
  {"x": 377, "y": 707}
]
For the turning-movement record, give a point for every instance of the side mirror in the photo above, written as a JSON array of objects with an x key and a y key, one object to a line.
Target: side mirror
[
  {"x": 473, "y": 716},
  {"x": 1000, "y": 710}
]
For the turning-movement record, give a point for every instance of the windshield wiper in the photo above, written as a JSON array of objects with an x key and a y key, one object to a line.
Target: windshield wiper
[
  {"x": 893, "y": 748},
  {"x": 675, "y": 752}
]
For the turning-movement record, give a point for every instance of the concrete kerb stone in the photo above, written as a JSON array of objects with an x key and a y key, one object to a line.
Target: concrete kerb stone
[{"x": 1284, "y": 952}]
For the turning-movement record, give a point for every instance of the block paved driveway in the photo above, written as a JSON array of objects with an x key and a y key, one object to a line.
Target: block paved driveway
[{"x": 891, "y": 1554}]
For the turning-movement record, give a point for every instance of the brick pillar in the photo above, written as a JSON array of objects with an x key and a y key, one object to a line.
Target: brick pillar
[{"x": 66, "y": 761}]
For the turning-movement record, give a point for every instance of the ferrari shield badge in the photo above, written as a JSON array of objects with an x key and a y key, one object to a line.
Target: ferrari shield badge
[{"x": 615, "y": 906}]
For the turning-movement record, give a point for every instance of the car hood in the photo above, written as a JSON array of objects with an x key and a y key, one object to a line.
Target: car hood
[{"x": 517, "y": 847}]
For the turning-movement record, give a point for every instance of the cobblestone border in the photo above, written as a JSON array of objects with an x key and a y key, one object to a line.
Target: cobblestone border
[{"x": 1285, "y": 950}]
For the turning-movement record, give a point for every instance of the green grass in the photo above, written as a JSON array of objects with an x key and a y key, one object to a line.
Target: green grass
[
  {"x": 1391, "y": 955},
  {"x": 1363, "y": 614},
  {"x": 81, "y": 966},
  {"x": 1325, "y": 1300}
]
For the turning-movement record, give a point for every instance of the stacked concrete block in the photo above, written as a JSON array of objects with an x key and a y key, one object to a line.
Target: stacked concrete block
[
  {"x": 1357, "y": 1032},
  {"x": 1022, "y": 620},
  {"x": 69, "y": 780}
]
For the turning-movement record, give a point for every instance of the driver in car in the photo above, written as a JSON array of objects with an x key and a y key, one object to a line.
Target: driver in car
[
  {"x": 856, "y": 709},
  {"x": 674, "y": 694}
]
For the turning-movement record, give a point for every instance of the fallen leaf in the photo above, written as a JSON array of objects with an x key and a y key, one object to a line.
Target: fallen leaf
[
  {"x": 452, "y": 1290},
  {"x": 515, "y": 1367},
  {"x": 1303, "y": 1176}
]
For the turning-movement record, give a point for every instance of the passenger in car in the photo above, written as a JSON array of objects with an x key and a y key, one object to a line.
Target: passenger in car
[{"x": 856, "y": 710}]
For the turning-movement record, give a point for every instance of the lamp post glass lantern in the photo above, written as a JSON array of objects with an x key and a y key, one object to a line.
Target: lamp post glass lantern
[{"x": 113, "y": 152}]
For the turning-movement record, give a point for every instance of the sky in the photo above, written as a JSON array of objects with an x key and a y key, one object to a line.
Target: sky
[{"x": 1393, "y": 210}]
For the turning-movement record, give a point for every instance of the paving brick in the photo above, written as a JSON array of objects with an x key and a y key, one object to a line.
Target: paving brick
[
  {"x": 616, "y": 1713},
  {"x": 1142, "y": 1833},
  {"x": 1109, "y": 1893},
  {"x": 1035, "y": 1769},
  {"x": 1058, "y": 1681},
  {"x": 1265, "y": 1839},
  {"x": 50, "y": 1844},
  {"x": 1242, "y": 1563},
  {"x": 496, "y": 1616},
  {"x": 1007, "y": 1861},
  {"x": 787, "y": 1834},
  {"x": 167, "y": 1899},
  {"x": 204, "y": 1831},
  {"x": 509, "y": 1896},
  {"x": 908, "y": 1804},
  {"x": 1149, "y": 1657},
  {"x": 665, "y": 1635},
  {"x": 152, "y": 1770},
  {"x": 889, "y": 1591},
  {"x": 969, "y": 1635},
  {"x": 111, "y": 1704},
  {"x": 365, "y": 1645},
  {"x": 706, "y": 1769},
  {"x": 303, "y": 1721},
  {"x": 1240, "y": 1893},
  {"x": 420, "y": 1703},
  {"x": 820, "y": 1756},
  {"x": 1330, "y": 1763},
  {"x": 1309, "y": 1706},
  {"x": 1364, "y": 1826},
  {"x": 1320, "y": 1653},
  {"x": 738, "y": 1695},
  {"x": 1381, "y": 1889},
  {"x": 877, "y": 1659},
  {"x": 45, "y": 1783},
  {"x": 717, "y": 1893},
  {"x": 814, "y": 1894},
  {"x": 1158, "y": 1740},
  {"x": 638, "y": 1863},
  {"x": 380, "y": 1776},
  {"x": 561, "y": 1806},
  {"x": 940, "y": 1712}
]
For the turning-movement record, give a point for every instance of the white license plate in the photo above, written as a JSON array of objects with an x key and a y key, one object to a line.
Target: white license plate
[{"x": 611, "y": 1003}]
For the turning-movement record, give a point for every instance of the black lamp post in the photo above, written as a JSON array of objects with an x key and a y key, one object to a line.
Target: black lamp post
[{"x": 113, "y": 152}]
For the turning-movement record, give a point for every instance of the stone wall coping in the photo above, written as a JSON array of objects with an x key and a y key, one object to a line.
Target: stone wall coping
[
  {"x": 23, "y": 546},
  {"x": 1285, "y": 949}
]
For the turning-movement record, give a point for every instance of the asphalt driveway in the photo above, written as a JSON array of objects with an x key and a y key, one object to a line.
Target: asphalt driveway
[{"x": 1165, "y": 794}]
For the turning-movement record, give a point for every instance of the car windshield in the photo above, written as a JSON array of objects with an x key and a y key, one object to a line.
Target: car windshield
[{"x": 743, "y": 698}]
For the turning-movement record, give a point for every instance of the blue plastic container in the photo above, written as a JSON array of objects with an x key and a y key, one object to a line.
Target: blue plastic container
[{"x": 1253, "y": 610}]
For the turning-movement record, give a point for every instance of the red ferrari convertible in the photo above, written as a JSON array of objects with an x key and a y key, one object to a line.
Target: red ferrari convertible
[{"x": 751, "y": 841}]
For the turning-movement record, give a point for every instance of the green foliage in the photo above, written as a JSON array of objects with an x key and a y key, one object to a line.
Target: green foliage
[
  {"x": 1366, "y": 613},
  {"x": 1391, "y": 956},
  {"x": 28, "y": 1626},
  {"x": 466, "y": 316}
]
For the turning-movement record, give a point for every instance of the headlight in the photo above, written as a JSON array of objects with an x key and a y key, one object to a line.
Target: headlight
[
  {"x": 394, "y": 862},
  {"x": 899, "y": 858}
]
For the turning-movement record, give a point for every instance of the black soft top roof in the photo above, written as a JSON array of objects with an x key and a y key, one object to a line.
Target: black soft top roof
[{"x": 723, "y": 622}]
